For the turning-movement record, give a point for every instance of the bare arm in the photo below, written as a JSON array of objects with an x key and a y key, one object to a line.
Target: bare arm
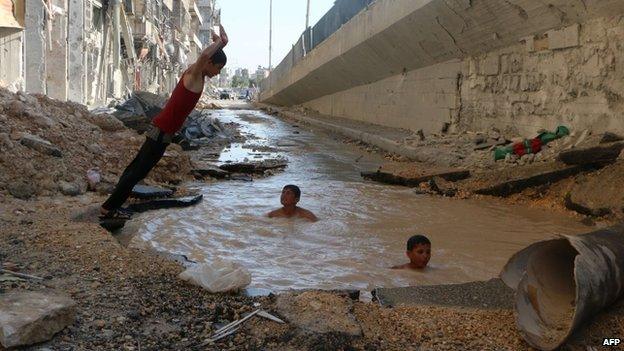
[
  {"x": 308, "y": 215},
  {"x": 274, "y": 213},
  {"x": 194, "y": 79}
]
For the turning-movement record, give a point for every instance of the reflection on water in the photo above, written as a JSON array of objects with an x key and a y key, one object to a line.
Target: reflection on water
[{"x": 363, "y": 227}]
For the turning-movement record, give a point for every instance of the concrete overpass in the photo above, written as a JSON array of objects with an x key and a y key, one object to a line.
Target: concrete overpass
[{"x": 420, "y": 64}]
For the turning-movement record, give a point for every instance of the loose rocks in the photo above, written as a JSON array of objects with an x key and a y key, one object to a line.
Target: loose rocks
[
  {"x": 31, "y": 317},
  {"x": 40, "y": 145}
]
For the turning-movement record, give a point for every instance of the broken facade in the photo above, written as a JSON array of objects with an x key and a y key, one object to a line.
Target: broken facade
[{"x": 77, "y": 49}]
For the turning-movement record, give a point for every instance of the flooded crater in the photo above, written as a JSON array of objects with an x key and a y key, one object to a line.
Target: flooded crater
[{"x": 363, "y": 226}]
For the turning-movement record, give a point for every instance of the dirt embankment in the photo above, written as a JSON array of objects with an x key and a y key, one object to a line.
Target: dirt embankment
[{"x": 47, "y": 147}]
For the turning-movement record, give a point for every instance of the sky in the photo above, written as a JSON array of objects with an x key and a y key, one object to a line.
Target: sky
[{"x": 247, "y": 25}]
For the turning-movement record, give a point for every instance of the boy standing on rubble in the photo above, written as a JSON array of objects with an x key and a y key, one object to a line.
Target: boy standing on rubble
[{"x": 181, "y": 103}]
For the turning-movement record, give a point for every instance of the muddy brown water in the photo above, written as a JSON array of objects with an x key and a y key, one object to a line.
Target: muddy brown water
[{"x": 363, "y": 228}]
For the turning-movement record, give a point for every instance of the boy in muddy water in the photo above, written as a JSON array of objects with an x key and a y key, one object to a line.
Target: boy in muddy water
[
  {"x": 169, "y": 121},
  {"x": 289, "y": 199},
  {"x": 418, "y": 252}
]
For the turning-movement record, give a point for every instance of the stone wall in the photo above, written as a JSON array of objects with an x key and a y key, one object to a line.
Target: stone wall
[{"x": 572, "y": 76}]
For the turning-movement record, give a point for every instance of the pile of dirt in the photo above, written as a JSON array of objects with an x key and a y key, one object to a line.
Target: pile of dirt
[{"x": 48, "y": 146}]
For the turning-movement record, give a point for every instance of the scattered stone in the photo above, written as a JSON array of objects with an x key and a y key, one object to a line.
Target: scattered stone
[
  {"x": 106, "y": 122},
  {"x": 38, "y": 118},
  {"x": 104, "y": 188},
  {"x": 29, "y": 317},
  {"x": 254, "y": 167},
  {"x": 479, "y": 139},
  {"x": 5, "y": 141},
  {"x": 494, "y": 133},
  {"x": 41, "y": 145},
  {"x": 100, "y": 324},
  {"x": 95, "y": 149},
  {"x": 609, "y": 137},
  {"x": 16, "y": 108},
  {"x": 16, "y": 135},
  {"x": 21, "y": 190},
  {"x": 146, "y": 192},
  {"x": 241, "y": 177},
  {"x": 490, "y": 143},
  {"x": 69, "y": 189},
  {"x": 210, "y": 171},
  {"x": 442, "y": 187},
  {"x": 319, "y": 312}
]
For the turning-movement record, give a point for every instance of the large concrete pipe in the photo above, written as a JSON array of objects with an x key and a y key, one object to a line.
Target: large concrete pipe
[{"x": 561, "y": 283}]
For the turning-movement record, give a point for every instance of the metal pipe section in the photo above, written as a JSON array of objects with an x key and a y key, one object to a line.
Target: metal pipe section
[{"x": 562, "y": 283}]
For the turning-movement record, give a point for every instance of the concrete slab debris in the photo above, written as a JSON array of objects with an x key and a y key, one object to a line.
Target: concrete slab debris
[
  {"x": 166, "y": 203},
  {"x": 389, "y": 178},
  {"x": 28, "y": 317}
]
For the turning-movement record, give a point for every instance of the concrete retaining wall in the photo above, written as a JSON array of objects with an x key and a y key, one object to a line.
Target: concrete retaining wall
[
  {"x": 419, "y": 64},
  {"x": 426, "y": 98}
]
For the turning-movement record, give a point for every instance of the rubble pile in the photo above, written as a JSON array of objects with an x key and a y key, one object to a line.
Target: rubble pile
[
  {"x": 49, "y": 147},
  {"x": 475, "y": 150}
]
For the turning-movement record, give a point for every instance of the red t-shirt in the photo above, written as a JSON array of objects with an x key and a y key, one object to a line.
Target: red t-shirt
[{"x": 180, "y": 105}]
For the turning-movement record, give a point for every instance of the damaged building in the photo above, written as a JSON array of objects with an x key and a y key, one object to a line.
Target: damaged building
[{"x": 91, "y": 51}]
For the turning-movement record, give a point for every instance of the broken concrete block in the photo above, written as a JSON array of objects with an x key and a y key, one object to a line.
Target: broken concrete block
[
  {"x": 166, "y": 203},
  {"x": 602, "y": 154},
  {"x": 564, "y": 38},
  {"x": 393, "y": 179},
  {"x": 150, "y": 192},
  {"x": 28, "y": 317},
  {"x": 319, "y": 312},
  {"x": 512, "y": 186},
  {"x": 41, "y": 145}
]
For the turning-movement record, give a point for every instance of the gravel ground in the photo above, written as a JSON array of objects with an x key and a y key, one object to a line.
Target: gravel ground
[{"x": 130, "y": 299}]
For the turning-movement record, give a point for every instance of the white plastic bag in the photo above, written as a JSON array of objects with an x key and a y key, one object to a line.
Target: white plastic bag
[{"x": 217, "y": 276}]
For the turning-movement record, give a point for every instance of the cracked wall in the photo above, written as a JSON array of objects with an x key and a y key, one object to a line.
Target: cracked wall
[
  {"x": 572, "y": 76},
  {"x": 516, "y": 64}
]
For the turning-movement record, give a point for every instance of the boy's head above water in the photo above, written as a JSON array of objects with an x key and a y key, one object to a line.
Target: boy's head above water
[
  {"x": 290, "y": 198},
  {"x": 418, "y": 251},
  {"x": 290, "y": 195}
]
